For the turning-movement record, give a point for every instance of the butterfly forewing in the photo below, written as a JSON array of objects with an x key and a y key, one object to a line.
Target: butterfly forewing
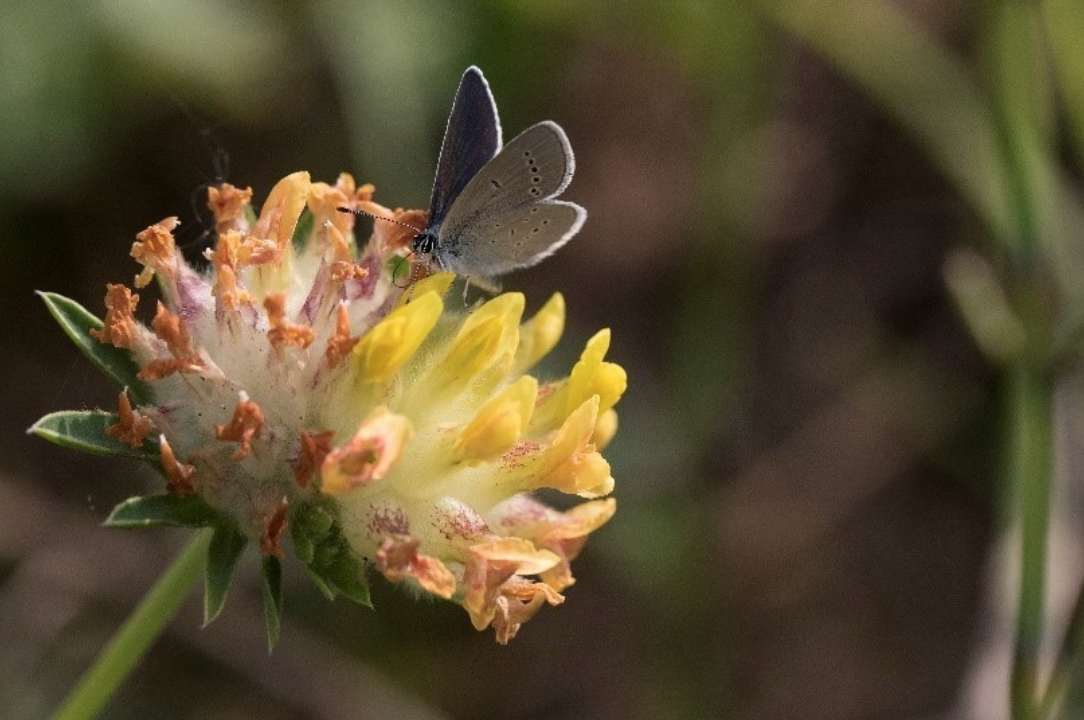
[{"x": 471, "y": 139}]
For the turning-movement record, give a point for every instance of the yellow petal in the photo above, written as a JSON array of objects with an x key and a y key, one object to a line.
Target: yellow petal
[
  {"x": 528, "y": 559},
  {"x": 490, "y": 335},
  {"x": 571, "y": 464},
  {"x": 392, "y": 341},
  {"x": 438, "y": 283},
  {"x": 540, "y": 334},
  {"x": 281, "y": 210},
  {"x": 591, "y": 376},
  {"x": 500, "y": 423},
  {"x": 605, "y": 429},
  {"x": 369, "y": 455},
  {"x": 583, "y": 520},
  {"x": 603, "y": 488}
]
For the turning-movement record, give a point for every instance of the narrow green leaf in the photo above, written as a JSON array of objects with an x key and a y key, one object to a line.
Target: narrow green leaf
[
  {"x": 117, "y": 363},
  {"x": 226, "y": 547},
  {"x": 922, "y": 82},
  {"x": 84, "y": 430},
  {"x": 1064, "y": 29},
  {"x": 272, "y": 598},
  {"x": 166, "y": 509}
]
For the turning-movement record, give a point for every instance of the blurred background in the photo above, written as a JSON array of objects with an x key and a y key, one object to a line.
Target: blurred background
[{"x": 791, "y": 201}]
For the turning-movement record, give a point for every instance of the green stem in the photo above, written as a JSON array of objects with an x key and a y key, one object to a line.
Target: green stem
[
  {"x": 1032, "y": 422},
  {"x": 136, "y": 635},
  {"x": 1066, "y": 663}
]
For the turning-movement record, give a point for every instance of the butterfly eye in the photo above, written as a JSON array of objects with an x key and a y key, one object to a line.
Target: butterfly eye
[{"x": 425, "y": 243}]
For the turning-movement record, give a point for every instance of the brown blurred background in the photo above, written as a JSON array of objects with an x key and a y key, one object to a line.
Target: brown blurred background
[{"x": 808, "y": 461}]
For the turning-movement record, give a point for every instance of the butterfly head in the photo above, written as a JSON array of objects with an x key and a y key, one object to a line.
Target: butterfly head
[{"x": 425, "y": 243}]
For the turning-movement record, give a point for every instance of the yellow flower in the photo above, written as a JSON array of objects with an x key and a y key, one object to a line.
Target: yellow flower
[{"x": 295, "y": 387}]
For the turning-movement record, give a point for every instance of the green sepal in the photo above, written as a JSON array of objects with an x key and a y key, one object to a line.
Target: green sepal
[
  {"x": 272, "y": 598},
  {"x": 117, "y": 363},
  {"x": 346, "y": 574},
  {"x": 325, "y": 589},
  {"x": 226, "y": 547},
  {"x": 84, "y": 430},
  {"x": 319, "y": 543},
  {"x": 164, "y": 510},
  {"x": 338, "y": 571}
]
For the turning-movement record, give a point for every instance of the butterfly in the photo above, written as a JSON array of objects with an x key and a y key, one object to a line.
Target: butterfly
[{"x": 493, "y": 209}]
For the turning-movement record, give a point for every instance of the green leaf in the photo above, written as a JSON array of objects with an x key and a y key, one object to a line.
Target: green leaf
[
  {"x": 117, "y": 363},
  {"x": 84, "y": 430},
  {"x": 272, "y": 598},
  {"x": 1064, "y": 25},
  {"x": 923, "y": 83},
  {"x": 163, "y": 510},
  {"x": 226, "y": 547}
]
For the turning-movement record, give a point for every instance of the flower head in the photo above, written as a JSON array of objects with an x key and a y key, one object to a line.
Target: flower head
[{"x": 292, "y": 388}]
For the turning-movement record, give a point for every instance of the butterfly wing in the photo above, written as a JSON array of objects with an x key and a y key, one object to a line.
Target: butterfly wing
[
  {"x": 471, "y": 139},
  {"x": 506, "y": 217}
]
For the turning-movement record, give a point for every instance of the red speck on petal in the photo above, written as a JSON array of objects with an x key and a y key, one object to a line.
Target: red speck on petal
[
  {"x": 459, "y": 521},
  {"x": 388, "y": 520},
  {"x": 523, "y": 449}
]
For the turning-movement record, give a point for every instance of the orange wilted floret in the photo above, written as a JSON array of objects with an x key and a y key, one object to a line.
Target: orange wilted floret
[
  {"x": 246, "y": 423},
  {"x": 371, "y": 418},
  {"x": 119, "y": 327},
  {"x": 368, "y": 455},
  {"x": 314, "y": 448},
  {"x": 562, "y": 533},
  {"x": 497, "y": 592},
  {"x": 283, "y": 333},
  {"x": 180, "y": 477},
  {"x": 228, "y": 204},
  {"x": 341, "y": 342},
  {"x": 132, "y": 426},
  {"x": 391, "y": 237},
  {"x": 325, "y": 200},
  {"x": 397, "y": 558},
  {"x": 272, "y": 531},
  {"x": 169, "y": 328},
  {"x": 156, "y": 250}
]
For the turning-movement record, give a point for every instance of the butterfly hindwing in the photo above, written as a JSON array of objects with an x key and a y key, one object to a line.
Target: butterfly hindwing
[{"x": 515, "y": 239}]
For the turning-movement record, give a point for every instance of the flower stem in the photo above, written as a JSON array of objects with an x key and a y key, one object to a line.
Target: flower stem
[
  {"x": 1066, "y": 664},
  {"x": 1032, "y": 421},
  {"x": 137, "y": 633}
]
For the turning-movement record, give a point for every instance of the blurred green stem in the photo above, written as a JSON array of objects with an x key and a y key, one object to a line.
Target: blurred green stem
[
  {"x": 1032, "y": 399},
  {"x": 137, "y": 633},
  {"x": 1066, "y": 664}
]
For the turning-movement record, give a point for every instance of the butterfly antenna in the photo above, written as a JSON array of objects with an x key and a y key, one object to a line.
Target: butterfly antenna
[
  {"x": 419, "y": 231},
  {"x": 220, "y": 164}
]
